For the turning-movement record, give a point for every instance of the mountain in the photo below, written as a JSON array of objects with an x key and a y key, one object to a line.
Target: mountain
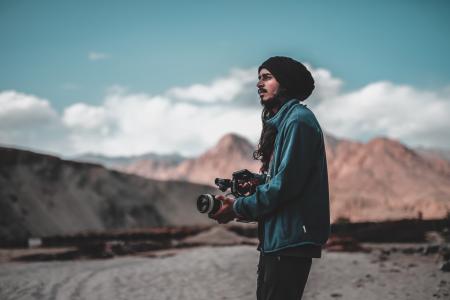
[
  {"x": 119, "y": 161},
  {"x": 231, "y": 153},
  {"x": 384, "y": 179},
  {"x": 43, "y": 195},
  {"x": 379, "y": 180}
]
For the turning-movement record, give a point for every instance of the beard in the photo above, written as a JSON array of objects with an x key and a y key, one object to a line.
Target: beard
[{"x": 275, "y": 102}]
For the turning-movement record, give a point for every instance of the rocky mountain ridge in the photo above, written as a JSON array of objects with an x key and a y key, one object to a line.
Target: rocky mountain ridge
[{"x": 378, "y": 180}]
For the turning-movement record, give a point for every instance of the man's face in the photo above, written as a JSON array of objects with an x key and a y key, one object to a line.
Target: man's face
[{"x": 268, "y": 86}]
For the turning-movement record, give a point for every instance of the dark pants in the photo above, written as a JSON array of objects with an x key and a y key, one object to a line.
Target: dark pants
[{"x": 282, "y": 277}]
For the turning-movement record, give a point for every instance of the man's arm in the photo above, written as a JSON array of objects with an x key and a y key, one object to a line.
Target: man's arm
[
  {"x": 298, "y": 154},
  {"x": 261, "y": 178},
  {"x": 227, "y": 213}
]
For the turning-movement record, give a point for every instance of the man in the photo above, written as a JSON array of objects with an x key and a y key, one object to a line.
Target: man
[{"x": 291, "y": 205}]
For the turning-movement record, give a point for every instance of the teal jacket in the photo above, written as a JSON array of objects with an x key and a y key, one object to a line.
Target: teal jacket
[{"x": 292, "y": 207}]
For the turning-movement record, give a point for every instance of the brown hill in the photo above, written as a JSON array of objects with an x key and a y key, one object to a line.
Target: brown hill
[
  {"x": 42, "y": 195},
  {"x": 384, "y": 179},
  {"x": 379, "y": 180},
  {"x": 231, "y": 153}
]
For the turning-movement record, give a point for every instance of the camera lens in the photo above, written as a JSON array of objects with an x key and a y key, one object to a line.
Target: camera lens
[{"x": 207, "y": 203}]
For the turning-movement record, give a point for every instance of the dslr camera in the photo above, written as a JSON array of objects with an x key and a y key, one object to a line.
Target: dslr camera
[{"x": 242, "y": 183}]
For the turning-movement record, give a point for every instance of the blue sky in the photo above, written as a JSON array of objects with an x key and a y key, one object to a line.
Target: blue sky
[
  {"x": 69, "y": 52},
  {"x": 157, "y": 44}
]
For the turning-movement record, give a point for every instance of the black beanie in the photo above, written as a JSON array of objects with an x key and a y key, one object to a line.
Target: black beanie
[{"x": 292, "y": 75}]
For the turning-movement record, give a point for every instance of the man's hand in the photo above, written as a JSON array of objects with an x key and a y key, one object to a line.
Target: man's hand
[{"x": 226, "y": 213}]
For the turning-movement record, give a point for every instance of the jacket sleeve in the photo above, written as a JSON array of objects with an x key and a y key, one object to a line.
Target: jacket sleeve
[
  {"x": 261, "y": 178},
  {"x": 298, "y": 152}
]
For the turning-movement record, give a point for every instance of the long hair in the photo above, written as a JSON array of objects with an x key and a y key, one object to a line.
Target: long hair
[{"x": 266, "y": 141}]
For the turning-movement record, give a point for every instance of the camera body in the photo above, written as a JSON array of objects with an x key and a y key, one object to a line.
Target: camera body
[{"x": 243, "y": 183}]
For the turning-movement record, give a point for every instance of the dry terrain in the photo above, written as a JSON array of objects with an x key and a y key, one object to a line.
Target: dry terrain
[{"x": 225, "y": 273}]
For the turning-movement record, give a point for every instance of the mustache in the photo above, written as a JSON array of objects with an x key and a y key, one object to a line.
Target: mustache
[{"x": 261, "y": 90}]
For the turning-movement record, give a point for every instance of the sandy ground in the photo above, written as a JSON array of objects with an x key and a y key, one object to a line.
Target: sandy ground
[{"x": 223, "y": 273}]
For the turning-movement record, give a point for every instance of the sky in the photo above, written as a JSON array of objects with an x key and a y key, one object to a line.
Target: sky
[{"x": 130, "y": 77}]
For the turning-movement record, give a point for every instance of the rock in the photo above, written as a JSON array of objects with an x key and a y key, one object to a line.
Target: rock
[
  {"x": 344, "y": 244},
  {"x": 336, "y": 295},
  {"x": 383, "y": 257},
  {"x": 394, "y": 270},
  {"x": 445, "y": 266},
  {"x": 409, "y": 251},
  {"x": 444, "y": 253},
  {"x": 432, "y": 249},
  {"x": 385, "y": 252}
]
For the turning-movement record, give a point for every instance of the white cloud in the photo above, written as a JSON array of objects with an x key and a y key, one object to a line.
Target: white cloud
[
  {"x": 98, "y": 56},
  {"x": 86, "y": 117},
  {"x": 220, "y": 90},
  {"x": 144, "y": 123},
  {"x": 29, "y": 121},
  {"x": 416, "y": 117},
  {"x": 19, "y": 110},
  {"x": 326, "y": 85},
  {"x": 189, "y": 120}
]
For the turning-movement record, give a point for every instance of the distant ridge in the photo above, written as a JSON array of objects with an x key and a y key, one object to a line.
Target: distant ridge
[
  {"x": 231, "y": 152},
  {"x": 117, "y": 161}
]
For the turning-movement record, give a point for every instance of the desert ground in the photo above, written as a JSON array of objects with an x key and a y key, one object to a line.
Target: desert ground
[{"x": 225, "y": 272}]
